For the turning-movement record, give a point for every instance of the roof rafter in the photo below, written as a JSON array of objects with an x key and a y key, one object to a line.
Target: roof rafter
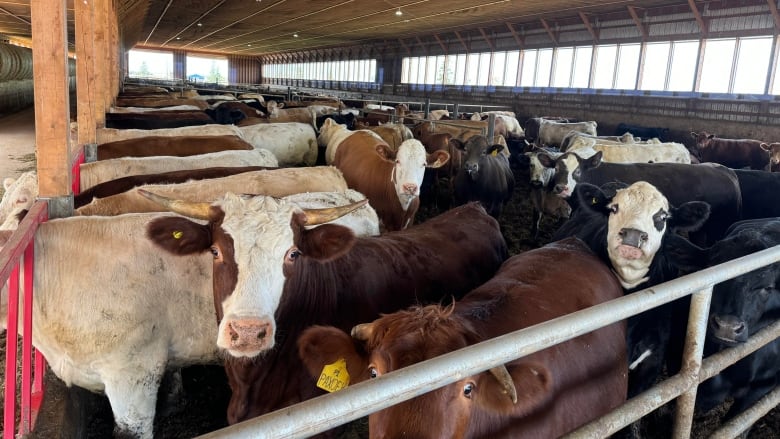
[
  {"x": 699, "y": 18},
  {"x": 586, "y": 21},
  {"x": 488, "y": 40},
  {"x": 638, "y": 21},
  {"x": 549, "y": 31}
]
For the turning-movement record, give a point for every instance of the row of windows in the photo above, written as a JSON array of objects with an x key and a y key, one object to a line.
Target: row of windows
[
  {"x": 159, "y": 65},
  {"x": 356, "y": 70},
  {"x": 735, "y": 65}
]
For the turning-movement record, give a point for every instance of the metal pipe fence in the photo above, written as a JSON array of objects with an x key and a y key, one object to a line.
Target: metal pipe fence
[{"x": 328, "y": 411}]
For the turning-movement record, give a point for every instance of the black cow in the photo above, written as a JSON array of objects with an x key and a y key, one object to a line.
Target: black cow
[
  {"x": 643, "y": 132},
  {"x": 347, "y": 119},
  {"x": 486, "y": 175},
  {"x": 740, "y": 307},
  {"x": 715, "y": 184},
  {"x": 157, "y": 119},
  {"x": 760, "y": 191},
  {"x": 629, "y": 228}
]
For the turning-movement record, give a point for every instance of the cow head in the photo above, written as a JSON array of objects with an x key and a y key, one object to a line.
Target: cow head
[
  {"x": 407, "y": 337},
  {"x": 540, "y": 175},
  {"x": 568, "y": 168},
  {"x": 638, "y": 217},
  {"x": 475, "y": 153},
  {"x": 702, "y": 139},
  {"x": 774, "y": 155},
  {"x": 409, "y": 166},
  {"x": 256, "y": 242},
  {"x": 20, "y": 194}
]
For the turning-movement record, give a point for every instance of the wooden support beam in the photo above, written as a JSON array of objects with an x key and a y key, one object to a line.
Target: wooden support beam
[
  {"x": 593, "y": 32},
  {"x": 52, "y": 107},
  {"x": 518, "y": 39},
  {"x": 465, "y": 46},
  {"x": 422, "y": 45},
  {"x": 408, "y": 52},
  {"x": 638, "y": 22},
  {"x": 699, "y": 18},
  {"x": 100, "y": 29},
  {"x": 441, "y": 44},
  {"x": 775, "y": 14},
  {"x": 487, "y": 40},
  {"x": 85, "y": 72},
  {"x": 549, "y": 31}
]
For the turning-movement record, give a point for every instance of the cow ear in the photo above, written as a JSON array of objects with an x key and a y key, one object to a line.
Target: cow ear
[
  {"x": 533, "y": 382},
  {"x": 684, "y": 254},
  {"x": 319, "y": 346},
  {"x": 437, "y": 159},
  {"x": 385, "y": 152},
  {"x": 7, "y": 182},
  {"x": 456, "y": 143},
  {"x": 694, "y": 135},
  {"x": 591, "y": 162},
  {"x": 326, "y": 242},
  {"x": 593, "y": 198},
  {"x": 496, "y": 147},
  {"x": 711, "y": 136},
  {"x": 179, "y": 236},
  {"x": 545, "y": 159},
  {"x": 765, "y": 147},
  {"x": 689, "y": 216}
]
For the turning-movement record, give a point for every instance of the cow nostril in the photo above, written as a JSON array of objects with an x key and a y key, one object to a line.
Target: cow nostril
[
  {"x": 739, "y": 329},
  {"x": 622, "y": 233},
  {"x": 643, "y": 236}
]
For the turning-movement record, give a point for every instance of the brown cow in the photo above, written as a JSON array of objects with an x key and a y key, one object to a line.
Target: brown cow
[
  {"x": 554, "y": 390},
  {"x": 389, "y": 179},
  {"x": 734, "y": 153},
  {"x": 774, "y": 156},
  {"x": 157, "y": 102},
  {"x": 180, "y": 146}
]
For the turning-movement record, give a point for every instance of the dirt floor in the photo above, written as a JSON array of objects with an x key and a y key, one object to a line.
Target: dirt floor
[{"x": 17, "y": 143}]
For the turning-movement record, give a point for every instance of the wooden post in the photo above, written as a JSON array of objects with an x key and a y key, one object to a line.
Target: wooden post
[
  {"x": 52, "y": 116},
  {"x": 100, "y": 29},
  {"x": 85, "y": 72}
]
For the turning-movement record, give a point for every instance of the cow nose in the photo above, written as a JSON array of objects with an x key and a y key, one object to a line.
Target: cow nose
[
  {"x": 560, "y": 188},
  {"x": 729, "y": 328},
  {"x": 410, "y": 188},
  {"x": 536, "y": 183},
  {"x": 247, "y": 334},
  {"x": 632, "y": 237},
  {"x": 472, "y": 167}
]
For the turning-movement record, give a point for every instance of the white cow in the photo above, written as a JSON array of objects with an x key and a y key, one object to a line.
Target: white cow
[
  {"x": 669, "y": 152},
  {"x": 101, "y": 171},
  {"x": 20, "y": 194},
  {"x": 292, "y": 143},
  {"x": 551, "y": 133}
]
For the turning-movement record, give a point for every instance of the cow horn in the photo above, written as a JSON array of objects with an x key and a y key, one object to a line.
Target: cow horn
[
  {"x": 321, "y": 216},
  {"x": 503, "y": 377},
  {"x": 186, "y": 208},
  {"x": 362, "y": 331}
]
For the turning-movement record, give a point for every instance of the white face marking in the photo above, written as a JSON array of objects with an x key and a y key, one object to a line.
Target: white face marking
[
  {"x": 538, "y": 172},
  {"x": 572, "y": 165},
  {"x": 410, "y": 162},
  {"x": 635, "y": 210},
  {"x": 261, "y": 232}
]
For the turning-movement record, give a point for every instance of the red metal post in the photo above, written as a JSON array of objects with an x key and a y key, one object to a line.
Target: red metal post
[{"x": 9, "y": 412}]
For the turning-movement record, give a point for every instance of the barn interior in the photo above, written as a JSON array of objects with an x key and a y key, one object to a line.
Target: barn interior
[{"x": 85, "y": 46}]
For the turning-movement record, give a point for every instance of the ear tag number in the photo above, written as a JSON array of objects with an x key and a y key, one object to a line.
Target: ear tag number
[
  {"x": 494, "y": 153},
  {"x": 177, "y": 234},
  {"x": 334, "y": 376}
]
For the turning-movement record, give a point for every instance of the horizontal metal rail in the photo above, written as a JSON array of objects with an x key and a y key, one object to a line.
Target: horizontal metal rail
[{"x": 328, "y": 411}]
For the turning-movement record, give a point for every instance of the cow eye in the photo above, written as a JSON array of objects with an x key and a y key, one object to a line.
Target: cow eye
[
  {"x": 576, "y": 173},
  {"x": 215, "y": 252},
  {"x": 468, "y": 389},
  {"x": 372, "y": 372},
  {"x": 292, "y": 255},
  {"x": 613, "y": 208}
]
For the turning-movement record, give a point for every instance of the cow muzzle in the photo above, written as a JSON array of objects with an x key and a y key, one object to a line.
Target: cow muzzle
[
  {"x": 728, "y": 330},
  {"x": 247, "y": 337},
  {"x": 631, "y": 242}
]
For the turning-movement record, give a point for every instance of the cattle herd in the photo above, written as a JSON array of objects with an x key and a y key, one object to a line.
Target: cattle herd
[{"x": 275, "y": 241}]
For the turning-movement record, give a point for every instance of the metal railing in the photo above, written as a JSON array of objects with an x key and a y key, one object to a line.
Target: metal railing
[
  {"x": 328, "y": 411},
  {"x": 16, "y": 259}
]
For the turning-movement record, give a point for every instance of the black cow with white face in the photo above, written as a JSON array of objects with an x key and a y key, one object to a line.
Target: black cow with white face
[
  {"x": 740, "y": 307},
  {"x": 680, "y": 183},
  {"x": 485, "y": 176},
  {"x": 629, "y": 228}
]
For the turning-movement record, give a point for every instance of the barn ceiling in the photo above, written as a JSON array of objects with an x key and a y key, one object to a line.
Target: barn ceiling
[{"x": 260, "y": 27}]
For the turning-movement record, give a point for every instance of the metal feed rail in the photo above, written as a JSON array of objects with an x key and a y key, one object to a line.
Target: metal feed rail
[{"x": 328, "y": 411}]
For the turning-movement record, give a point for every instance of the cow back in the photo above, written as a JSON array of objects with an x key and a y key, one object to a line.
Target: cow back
[{"x": 180, "y": 146}]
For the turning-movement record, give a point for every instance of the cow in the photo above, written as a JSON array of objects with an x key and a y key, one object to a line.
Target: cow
[
  {"x": 152, "y": 109},
  {"x": 134, "y": 315},
  {"x": 158, "y": 102},
  {"x": 739, "y": 308},
  {"x": 439, "y": 114},
  {"x": 485, "y": 177},
  {"x": 543, "y": 200},
  {"x": 531, "y": 125},
  {"x": 670, "y": 152},
  {"x": 513, "y": 128},
  {"x": 101, "y": 171},
  {"x": 274, "y": 182},
  {"x": 180, "y": 146},
  {"x": 461, "y": 129},
  {"x": 277, "y": 113},
  {"x": 712, "y": 183},
  {"x": 106, "y": 135},
  {"x": 774, "y": 156},
  {"x": 551, "y": 133},
  {"x": 642, "y": 131},
  {"x": 542, "y": 395},
  {"x": 390, "y": 179},
  {"x": 157, "y": 120},
  {"x": 292, "y": 143},
  {"x": 734, "y": 153},
  {"x": 629, "y": 228},
  {"x": 347, "y": 119},
  {"x": 392, "y": 133},
  {"x": 232, "y": 112},
  {"x": 576, "y": 137},
  {"x": 759, "y": 193},
  {"x": 273, "y": 279},
  {"x": 19, "y": 195}
]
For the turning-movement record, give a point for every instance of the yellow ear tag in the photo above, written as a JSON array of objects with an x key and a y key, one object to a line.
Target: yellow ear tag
[
  {"x": 594, "y": 201},
  {"x": 334, "y": 376},
  {"x": 494, "y": 153},
  {"x": 177, "y": 234}
]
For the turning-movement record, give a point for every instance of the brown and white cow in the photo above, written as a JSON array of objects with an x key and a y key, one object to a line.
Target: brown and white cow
[
  {"x": 273, "y": 278},
  {"x": 392, "y": 133},
  {"x": 734, "y": 153},
  {"x": 180, "y": 146},
  {"x": 774, "y": 156},
  {"x": 555, "y": 390},
  {"x": 390, "y": 179}
]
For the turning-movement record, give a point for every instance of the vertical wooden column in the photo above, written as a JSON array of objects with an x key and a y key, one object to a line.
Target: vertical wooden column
[
  {"x": 113, "y": 65},
  {"x": 100, "y": 29},
  {"x": 85, "y": 71},
  {"x": 52, "y": 110}
]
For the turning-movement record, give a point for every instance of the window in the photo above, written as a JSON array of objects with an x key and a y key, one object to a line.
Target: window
[
  {"x": 605, "y": 66},
  {"x": 207, "y": 69},
  {"x": 581, "y": 72},
  {"x": 484, "y": 69},
  {"x": 150, "y": 64},
  {"x": 564, "y": 59},
  {"x": 405, "y": 66},
  {"x": 460, "y": 70},
  {"x": 439, "y": 71},
  {"x": 430, "y": 70},
  {"x": 543, "y": 67},
  {"x": 716, "y": 68},
  {"x": 684, "y": 56},
  {"x": 472, "y": 68},
  {"x": 627, "y": 62},
  {"x": 654, "y": 66},
  {"x": 512, "y": 61},
  {"x": 752, "y": 65},
  {"x": 414, "y": 63},
  {"x": 528, "y": 72},
  {"x": 498, "y": 68},
  {"x": 449, "y": 74}
]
